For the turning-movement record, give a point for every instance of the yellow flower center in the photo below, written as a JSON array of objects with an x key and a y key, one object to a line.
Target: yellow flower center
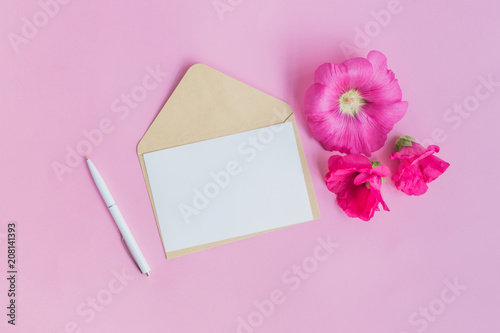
[{"x": 351, "y": 102}]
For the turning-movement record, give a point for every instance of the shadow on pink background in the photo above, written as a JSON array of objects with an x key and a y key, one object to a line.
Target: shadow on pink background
[{"x": 430, "y": 264}]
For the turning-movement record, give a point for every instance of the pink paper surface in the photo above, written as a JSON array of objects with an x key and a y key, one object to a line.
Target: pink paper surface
[{"x": 430, "y": 264}]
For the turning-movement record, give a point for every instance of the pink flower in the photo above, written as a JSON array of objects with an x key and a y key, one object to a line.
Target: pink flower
[
  {"x": 353, "y": 105},
  {"x": 418, "y": 166},
  {"x": 357, "y": 184}
]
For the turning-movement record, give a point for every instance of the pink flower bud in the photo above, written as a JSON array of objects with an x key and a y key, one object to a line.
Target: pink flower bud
[{"x": 418, "y": 166}]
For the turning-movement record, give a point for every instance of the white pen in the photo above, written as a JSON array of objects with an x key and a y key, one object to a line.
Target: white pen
[{"x": 127, "y": 236}]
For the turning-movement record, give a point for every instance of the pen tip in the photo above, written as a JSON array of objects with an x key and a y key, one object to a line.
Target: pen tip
[
  {"x": 86, "y": 158},
  {"x": 148, "y": 274}
]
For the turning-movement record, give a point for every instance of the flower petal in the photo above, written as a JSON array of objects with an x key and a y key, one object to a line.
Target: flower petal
[
  {"x": 375, "y": 186},
  {"x": 343, "y": 170},
  {"x": 386, "y": 94},
  {"x": 410, "y": 180},
  {"x": 321, "y": 108},
  {"x": 433, "y": 167},
  {"x": 381, "y": 74},
  {"x": 354, "y": 73},
  {"x": 351, "y": 74},
  {"x": 429, "y": 151},
  {"x": 334, "y": 130},
  {"x": 363, "y": 178},
  {"x": 334, "y": 162},
  {"x": 376, "y": 121},
  {"x": 320, "y": 99},
  {"x": 325, "y": 75},
  {"x": 381, "y": 171},
  {"x": 352, "y": 161},
  {"x": 339, "y": 183},
  {"x": 345, "y": 134},
  {"x": 359, "y": 202}
]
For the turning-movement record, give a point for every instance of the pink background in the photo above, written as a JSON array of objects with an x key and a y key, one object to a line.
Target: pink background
[{"x": 64, "y": 79}]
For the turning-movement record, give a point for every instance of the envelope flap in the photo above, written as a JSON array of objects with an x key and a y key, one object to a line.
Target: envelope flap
[{"x": 208, "y": 104}]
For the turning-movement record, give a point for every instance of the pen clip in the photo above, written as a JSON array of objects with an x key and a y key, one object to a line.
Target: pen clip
[{"x": 130, "y": 254}]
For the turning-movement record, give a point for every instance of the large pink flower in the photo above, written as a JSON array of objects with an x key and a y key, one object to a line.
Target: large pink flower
[
  {"x": 357, "y": 184},
  {"x": 353, "y": 105},
  {"x": 418, "y": 166}
]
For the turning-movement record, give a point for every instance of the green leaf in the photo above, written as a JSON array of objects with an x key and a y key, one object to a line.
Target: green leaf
[{"x": 404, "y": 141}]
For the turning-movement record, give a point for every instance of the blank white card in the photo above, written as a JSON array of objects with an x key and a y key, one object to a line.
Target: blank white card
[{"x": 227, "y": 187}]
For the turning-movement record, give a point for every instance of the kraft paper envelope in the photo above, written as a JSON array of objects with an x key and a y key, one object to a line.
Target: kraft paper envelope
[{"x": 208, "y": 104}]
